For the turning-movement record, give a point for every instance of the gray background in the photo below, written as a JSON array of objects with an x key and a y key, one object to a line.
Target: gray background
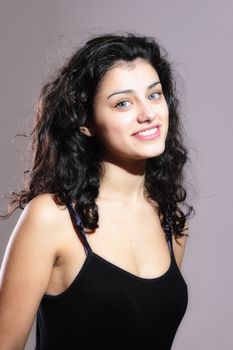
[{"x": 35, "y": 37}]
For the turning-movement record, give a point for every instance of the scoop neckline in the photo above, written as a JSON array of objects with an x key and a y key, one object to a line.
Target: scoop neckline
[
  {"x": 130, "y": 274},
  {"x": 87, "y": 261}
]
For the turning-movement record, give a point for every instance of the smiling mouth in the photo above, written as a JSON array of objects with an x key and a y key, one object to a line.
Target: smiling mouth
[{"x": 148, "y": 132}]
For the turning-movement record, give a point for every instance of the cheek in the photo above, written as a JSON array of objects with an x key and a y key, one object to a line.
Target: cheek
[
  {"x": 164, "y": 116},
  {"x": 164, "y": 110},
  {"x": 116, "y": 133},
  {"x": 118, "y": 125},
  {"x": 109, "y": 132},
  {"x": 110, "y": 128}
]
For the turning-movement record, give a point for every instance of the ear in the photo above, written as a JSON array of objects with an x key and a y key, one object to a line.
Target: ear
[{"x": 88, "y": 131}]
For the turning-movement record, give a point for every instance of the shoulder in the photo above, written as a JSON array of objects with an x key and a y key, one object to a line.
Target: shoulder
[
  {"x": 43, "y": 210},
  {"x": 42, "y": 219},
  {"x": 179, "y": 245},
  {"x": 44, "y": 206}
]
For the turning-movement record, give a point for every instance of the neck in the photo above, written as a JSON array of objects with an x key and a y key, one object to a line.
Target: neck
[{"x": 124, "y": 182}]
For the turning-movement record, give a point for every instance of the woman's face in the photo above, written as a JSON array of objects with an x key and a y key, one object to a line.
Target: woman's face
[{"x": 130, "y": 112}]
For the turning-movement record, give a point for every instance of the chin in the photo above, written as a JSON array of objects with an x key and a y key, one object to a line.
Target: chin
[
  {"x": 156, "y": 152},
  {"x": 149, "y": 156}
]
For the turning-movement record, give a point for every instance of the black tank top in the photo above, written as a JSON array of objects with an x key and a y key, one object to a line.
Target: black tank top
[{"x": 107, "y": 307}]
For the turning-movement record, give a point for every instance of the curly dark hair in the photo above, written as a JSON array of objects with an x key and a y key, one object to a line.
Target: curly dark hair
[{"x": 67, "y": 163}]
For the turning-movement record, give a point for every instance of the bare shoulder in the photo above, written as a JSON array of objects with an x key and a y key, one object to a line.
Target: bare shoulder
[
  {"x": 179, "y": 246},
  {"x": 43, "y": 208},
  {"x": 39, "y": 230},
  {"x": 42, "y": 216}
]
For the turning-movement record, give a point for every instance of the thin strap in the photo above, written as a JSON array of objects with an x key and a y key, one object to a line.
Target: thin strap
[
  {"x": 79, "y": 223},
  {"x": 168, "y": 231}
]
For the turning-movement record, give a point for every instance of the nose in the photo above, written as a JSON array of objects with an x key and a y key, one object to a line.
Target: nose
[{"x": 146, "y": 112}]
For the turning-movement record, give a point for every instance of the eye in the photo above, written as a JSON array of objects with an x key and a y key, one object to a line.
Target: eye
[
  {"x": 122, "y": 104},
  {"x": 155, "y": 95}
]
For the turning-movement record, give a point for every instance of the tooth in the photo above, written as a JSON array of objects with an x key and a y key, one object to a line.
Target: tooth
[{"x": 148, "y": 132}]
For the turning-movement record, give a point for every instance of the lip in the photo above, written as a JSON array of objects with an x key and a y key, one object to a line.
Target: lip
[
  {"x": 148, "y": 128},
  {"x": 149, "y": 137}
]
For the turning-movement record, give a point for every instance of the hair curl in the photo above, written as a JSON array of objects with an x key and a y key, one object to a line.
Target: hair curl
[{"x": 67, "y": 163}]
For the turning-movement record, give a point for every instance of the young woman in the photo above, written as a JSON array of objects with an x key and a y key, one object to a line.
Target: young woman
[{"x": 97, "y": 251}]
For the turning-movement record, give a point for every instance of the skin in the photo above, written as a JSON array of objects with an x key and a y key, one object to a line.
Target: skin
[
  {"x": 44, "y": 255},
  {"x": 116, "y": 120}
]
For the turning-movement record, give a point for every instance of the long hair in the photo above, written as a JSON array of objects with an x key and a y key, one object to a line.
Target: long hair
[{"x": 68, "y": 164}]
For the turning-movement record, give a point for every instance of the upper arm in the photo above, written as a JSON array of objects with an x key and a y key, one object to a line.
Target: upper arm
[
  {"x": 179, "y": 249},
  {"x": 26, "y": 269}
]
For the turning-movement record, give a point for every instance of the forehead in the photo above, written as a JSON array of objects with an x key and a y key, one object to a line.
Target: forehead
[{"x": 136, "y": 74}]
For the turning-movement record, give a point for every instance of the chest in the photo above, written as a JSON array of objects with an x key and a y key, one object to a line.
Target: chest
[{"x": 130, "y": 239}]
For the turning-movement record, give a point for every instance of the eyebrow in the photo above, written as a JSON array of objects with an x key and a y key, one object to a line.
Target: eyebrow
[{"x": 128, "y": 91}]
